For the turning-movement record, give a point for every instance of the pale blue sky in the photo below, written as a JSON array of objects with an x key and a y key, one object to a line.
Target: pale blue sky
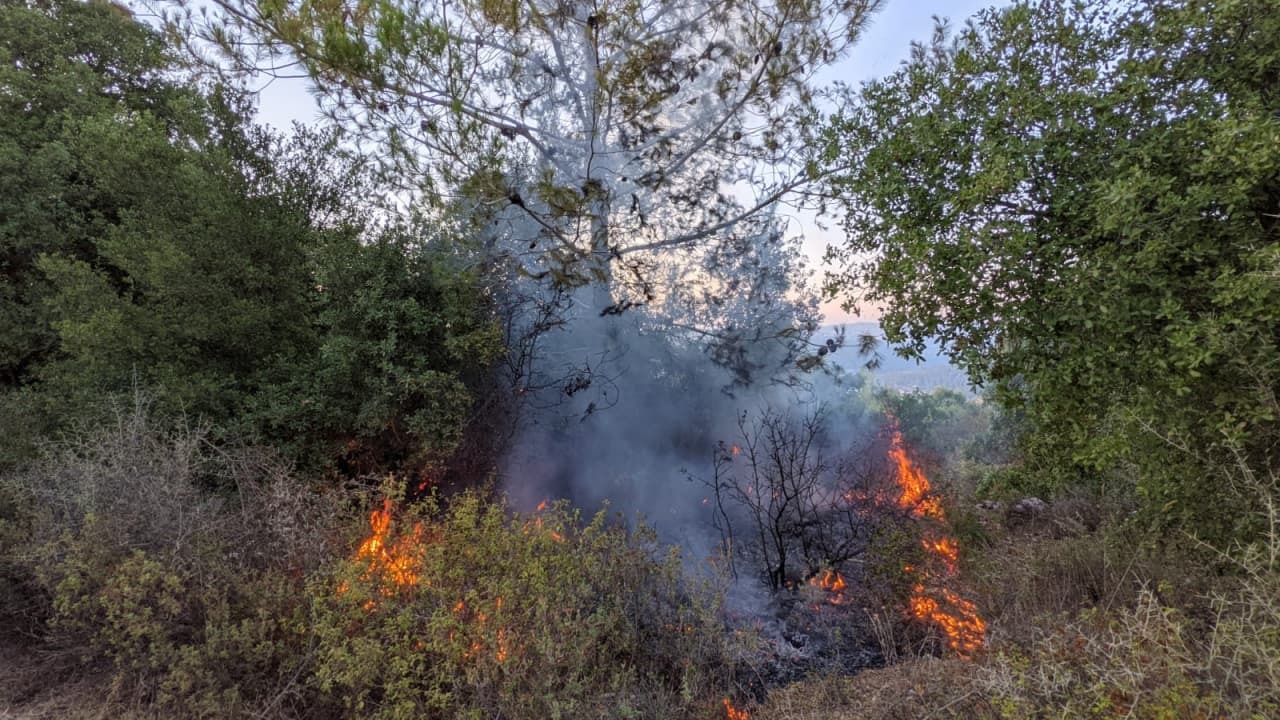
[{"x": 886, "y": 43}]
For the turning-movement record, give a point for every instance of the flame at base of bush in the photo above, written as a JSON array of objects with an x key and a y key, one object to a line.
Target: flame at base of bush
[
  {"x": 833, "y": 583},
  {"x": 931, "y": 599},
  {"x": 393, "y": 562}
]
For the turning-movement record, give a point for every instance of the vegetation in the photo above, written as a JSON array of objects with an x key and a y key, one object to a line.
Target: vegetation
[
  {"x": 199, "y": 604},
  {"x": 168, "y": 243},
  {"x": 283, "y": 411},
  {"x": 1079, "y": 200},
  {"x": 525, "y": 617}
]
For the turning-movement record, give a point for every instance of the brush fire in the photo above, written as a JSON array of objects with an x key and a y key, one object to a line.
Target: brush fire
[
  {"x": 393, "y": 562},
  {"x": 733, "y": 713},
  {"x": 393, "y": 559},
  {"x": 833, "y": 583},
  {"x": 931, "y": 599}
]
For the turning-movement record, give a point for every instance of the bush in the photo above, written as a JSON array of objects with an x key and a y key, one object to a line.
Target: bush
[
  {"x": 192, "y": 596},
  {"x": 473, "y": 612},
  {"x": 202, "y": 579},
  {"x": 1144, "y": 636},
  {"x": 1135, "y": 662}
]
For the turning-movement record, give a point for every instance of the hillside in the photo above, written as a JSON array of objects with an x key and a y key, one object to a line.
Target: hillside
[{"x": 928, "y": 373}]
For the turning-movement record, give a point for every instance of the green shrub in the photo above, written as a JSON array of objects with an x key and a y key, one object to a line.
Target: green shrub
[
  {"x": 517, "y": 617},
  {"x": 192, "y": 598}
]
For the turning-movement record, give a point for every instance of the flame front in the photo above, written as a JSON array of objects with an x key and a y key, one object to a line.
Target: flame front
[
  {"x": 917, "y": 495},
  {"x": 733, "y": 713},
  {"x": 394, "y": 562},
  {"x": 932, "y": 601},
  {"x": 398, "y": 562}
]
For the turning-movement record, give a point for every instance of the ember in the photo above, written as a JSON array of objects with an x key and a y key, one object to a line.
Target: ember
[{"x": 956, "y": 616}]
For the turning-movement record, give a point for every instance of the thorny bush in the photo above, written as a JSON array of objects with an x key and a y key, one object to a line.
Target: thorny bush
[{"x": 177, "y": 563}]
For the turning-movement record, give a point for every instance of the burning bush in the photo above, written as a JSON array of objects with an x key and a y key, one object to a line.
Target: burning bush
[
  {"x": 786, "y": 508},
  {"x": 473, "y": 611}
]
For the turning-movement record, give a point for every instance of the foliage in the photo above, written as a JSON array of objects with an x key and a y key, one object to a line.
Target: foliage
[
  {"x": 592, "y": 150},
  {"x": 193, "y": 597},
  {"x": 147, "y": 245},
  {"x": 1144, "y": 662},
  {"x": 519, "y": 616},
  {"x": 1094, "y": 622},
  {"x": 406, "y": 341},
  {"x": 65, "y": 66},
  {"x": 203, "y": 602},
  {"x": 200, "y": 287},
  {"x": 241, "y": 276},
  {"x": 593, "y": 104},
  {"x": 1079, "y": 200},
  {"x": 937, "y": 424}
]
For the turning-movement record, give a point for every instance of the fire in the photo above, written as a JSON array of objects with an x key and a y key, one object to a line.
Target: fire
[
  {"x": 396, "y": 562},
  {"x": 916, "y": 491},
  {"x": 958, "y": 617},
  {"x": 733, "y": 713},
  {"x": 477, "y": 621},
  {"x": 832, "y": 582},
  {"x": 946, "y": 549}
]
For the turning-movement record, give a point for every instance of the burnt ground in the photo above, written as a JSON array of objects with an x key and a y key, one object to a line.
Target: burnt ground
[{"x": 806, "y": 634}]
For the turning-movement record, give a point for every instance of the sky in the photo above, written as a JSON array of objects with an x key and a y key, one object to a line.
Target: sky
[{"x": 885, "y": 44}]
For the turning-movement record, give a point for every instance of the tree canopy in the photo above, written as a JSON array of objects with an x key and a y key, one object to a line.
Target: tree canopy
[
  {"x": 639, "y": 149},
  {"x": 154, "y": 236},
  {"x": 1081, "y": 201}
]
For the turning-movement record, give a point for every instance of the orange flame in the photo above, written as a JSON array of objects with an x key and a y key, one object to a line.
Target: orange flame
[
  {"x": 397, "y": 562},
  {"x": 916, "y": 491},
  {"x": 832, "y": 582},
  {"x": 733, "y": 713},
  {"x": 946, "y": 549},
  {"x": 958, "y": 617},
  {"x": 478, "y": 621}
]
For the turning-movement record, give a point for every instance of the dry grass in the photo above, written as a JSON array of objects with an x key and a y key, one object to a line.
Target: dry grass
[
  {"x": 37, "y": 686},
  {"x": 917, "y": 688}
]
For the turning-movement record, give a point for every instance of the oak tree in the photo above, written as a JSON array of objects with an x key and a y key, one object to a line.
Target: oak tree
[{"x": 1080, "y": 201}]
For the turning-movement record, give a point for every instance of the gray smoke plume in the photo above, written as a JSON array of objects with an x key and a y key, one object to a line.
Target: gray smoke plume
[{"x": 628, "y": 412}]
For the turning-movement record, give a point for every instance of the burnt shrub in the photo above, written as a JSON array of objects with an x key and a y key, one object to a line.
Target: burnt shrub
[{"x": 472, "y": 611}]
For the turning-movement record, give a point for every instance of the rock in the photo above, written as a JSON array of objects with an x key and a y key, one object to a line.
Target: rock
[
  {"x": 1025, "y": 511},
  {"x": 990, "y": 505}
]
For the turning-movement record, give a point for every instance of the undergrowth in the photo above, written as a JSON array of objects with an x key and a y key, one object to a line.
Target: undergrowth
[{"x": 202, "y": 580}]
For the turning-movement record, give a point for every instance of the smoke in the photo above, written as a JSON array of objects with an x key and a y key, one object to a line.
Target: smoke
[
  {"x": 629, "y": 385},
  {"x": 632, "y": 414}
]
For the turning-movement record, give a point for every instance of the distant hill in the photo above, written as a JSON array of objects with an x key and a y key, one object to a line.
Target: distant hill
[{"x": 930, "y": 372}]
